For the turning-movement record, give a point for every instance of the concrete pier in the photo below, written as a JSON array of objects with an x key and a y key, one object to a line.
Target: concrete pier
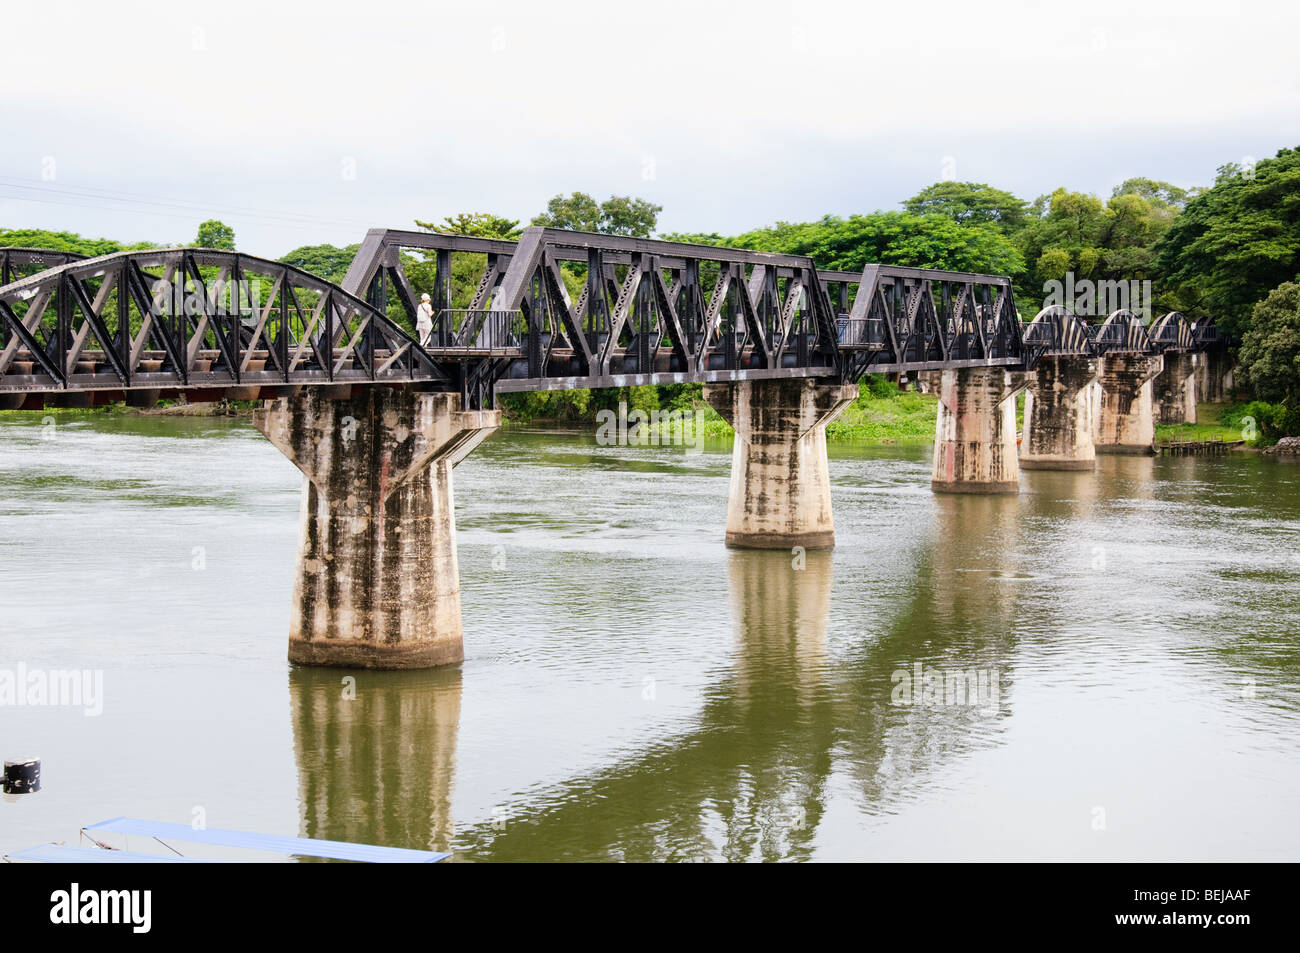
[
  {"x": 975, "y": 433},
  {"x": 1126, "y": 423},
  {"x": 1214, "y": 375},
  {"x": 1174, "y": 389},
  {"x": 780, "y": 489},
  {"x": 377, "y": 584},
  {"x": 1058, "y": 415}
]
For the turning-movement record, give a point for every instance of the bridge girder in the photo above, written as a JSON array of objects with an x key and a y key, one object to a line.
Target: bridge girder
[
  {"x": 554, "y": 310},
  {"x": 194, "y": 318}
]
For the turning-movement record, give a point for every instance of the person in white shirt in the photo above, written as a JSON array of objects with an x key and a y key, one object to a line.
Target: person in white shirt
[{"x": 424, "y": 319}]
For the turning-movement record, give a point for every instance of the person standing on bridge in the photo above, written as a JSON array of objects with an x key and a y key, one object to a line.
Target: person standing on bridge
[{"x": 424, "y": 319}]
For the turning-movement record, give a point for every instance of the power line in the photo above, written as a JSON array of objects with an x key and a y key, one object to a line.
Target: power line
[{"x": 151, "y": 206}]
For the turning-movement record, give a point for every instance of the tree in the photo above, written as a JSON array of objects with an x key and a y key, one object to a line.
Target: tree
[
  {"x": 578, "y": 212},
  {"x": 970, "y": 203},
  {"x": 891, "y": 238},
  {"x": 1236, "y": 241},
  {"x": 1156, "y": 192},
  {"x": 326, "y": 261},
  {"x": 622, "y": 215},
  {"x": 1075, "y": 232},
  {"x": 215, "y": 234},
  {"x": 65, "y": 241},
  {"x": 481, "y": 224},
  {"x": 1270, "y": 347},
  {"x": 617, "y": 215}
]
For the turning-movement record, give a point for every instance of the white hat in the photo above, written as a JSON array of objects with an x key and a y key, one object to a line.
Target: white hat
[{"x": 425, "y": 296}]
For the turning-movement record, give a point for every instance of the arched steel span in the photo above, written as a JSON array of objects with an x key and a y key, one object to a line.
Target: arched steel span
[
  {"x": 1056, "y": 331},
  {"x": 1173, "y": 332},
  {"x": 1123, "y": 333},
  {"x": 194, "y": 318},
  {"x": 1206, "y": 334},
  {"x": 18, "y": 263}
]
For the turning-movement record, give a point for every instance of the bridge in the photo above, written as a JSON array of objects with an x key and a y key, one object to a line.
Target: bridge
[{"x": 376, "y": 417}]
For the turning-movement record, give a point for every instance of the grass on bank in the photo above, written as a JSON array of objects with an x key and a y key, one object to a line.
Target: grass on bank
[
  {"x": 881, "y": 414},
  {"x": 1226, "y": 422}
]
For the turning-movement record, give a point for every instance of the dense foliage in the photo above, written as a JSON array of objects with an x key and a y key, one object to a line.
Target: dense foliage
[
  {"x": 1237, "y": 241},
  {"x": 1270, "y": 356},
  {"x": 894, "y": 238},
  {"x": 328, "y": 261},
  {"x": 64, "y": 241}
]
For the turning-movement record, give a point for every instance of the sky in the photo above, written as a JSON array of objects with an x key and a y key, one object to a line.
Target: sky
[{"x": 304, "y": 123}]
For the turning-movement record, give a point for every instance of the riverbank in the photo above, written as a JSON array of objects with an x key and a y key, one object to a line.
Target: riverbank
[
  {"x": 1213, "y": 422},
  {"x": 881, "y": 415}
]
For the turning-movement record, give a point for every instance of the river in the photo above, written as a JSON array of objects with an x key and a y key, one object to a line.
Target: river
[{"x": 633, "y": 690}]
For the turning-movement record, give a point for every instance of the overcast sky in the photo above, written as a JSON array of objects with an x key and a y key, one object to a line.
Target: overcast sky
[{"x": 136, "y": 120}]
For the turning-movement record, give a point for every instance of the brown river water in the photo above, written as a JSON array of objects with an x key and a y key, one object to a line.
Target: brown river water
[{"x": 633, "y": 690}]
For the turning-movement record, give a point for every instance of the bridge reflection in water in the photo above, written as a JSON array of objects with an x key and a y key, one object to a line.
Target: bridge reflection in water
[{"x": 805, "y": 698}]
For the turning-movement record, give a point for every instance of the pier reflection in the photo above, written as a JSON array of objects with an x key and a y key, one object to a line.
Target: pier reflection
[
  {"x": 750, "y": 781},
  {"x": 376, "y": 756},
  {"x": 932, "y": 678}
]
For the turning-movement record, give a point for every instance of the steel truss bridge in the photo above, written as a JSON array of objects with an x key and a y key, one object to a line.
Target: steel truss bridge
[{"x": 554, "y": 310}]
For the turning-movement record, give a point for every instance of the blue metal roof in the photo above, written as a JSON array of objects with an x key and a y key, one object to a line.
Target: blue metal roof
[
  {"x": 61, "y": 854},
  {"x": 306, "y": 846}
]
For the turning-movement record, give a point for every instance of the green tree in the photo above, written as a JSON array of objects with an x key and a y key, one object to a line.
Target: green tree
[
  {"x": 215, "y": 234},
  {"x": 1052, "y": 264},
  {"x": 481, "y": 224},
  {"x": 326, "y": 261},
  {"x": 1270, "y": 348},
  {"x": 1238, "y": 240},
  {"x": 892, "y": 238},
  {"x": 65, "y": 241},
  {"x": 970, "y": 203},
  {"x": 622, "y": 215},
  {"x": 617, "y": 215},
  {"x": 1156, "y": 192}
]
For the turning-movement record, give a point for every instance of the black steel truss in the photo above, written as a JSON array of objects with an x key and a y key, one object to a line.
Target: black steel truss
[
  {"x": 194, "y": 318},
  {"x": 18, "y": 263},
  {"x": 913, "y": 319},
  {"x": 554, "y": 310}
]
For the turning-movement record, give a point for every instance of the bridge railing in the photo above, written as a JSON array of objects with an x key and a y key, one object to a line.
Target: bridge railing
[
  {"x": 482, "y": 332},
  {"x": 1207, "y": 335},
  {"x": 860, "y": 333}
]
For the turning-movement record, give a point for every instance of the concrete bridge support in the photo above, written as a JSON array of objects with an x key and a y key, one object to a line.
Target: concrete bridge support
[
  {"x": 975, "y": 433},
  {"x": 780, "y": 487},
  {"x": 1174, "y": 389},
  {"x": 1059, "y": 415},
  {"x": 377, "y": 584},
  {"x": 928, "y": 382},
  {"x": 1126, "y": 423},
  {"x": 1214, "y": 375}
]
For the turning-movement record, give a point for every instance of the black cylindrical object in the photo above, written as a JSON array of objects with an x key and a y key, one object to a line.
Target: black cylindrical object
[{"x": 22, "y": 777}]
